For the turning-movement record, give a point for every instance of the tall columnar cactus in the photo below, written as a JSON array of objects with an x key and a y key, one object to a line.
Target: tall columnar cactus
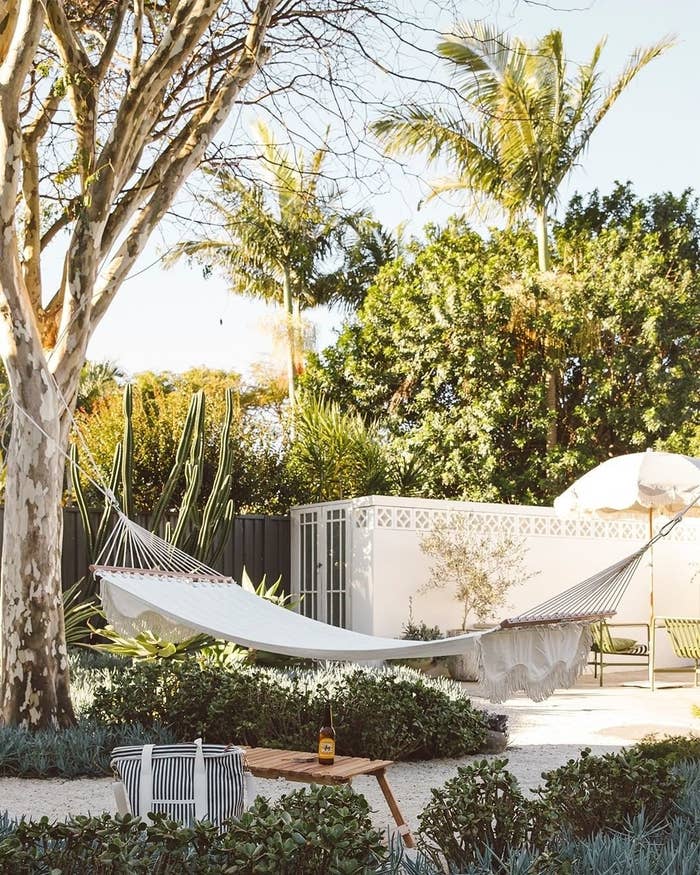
[{"x": 202, "y": 533}]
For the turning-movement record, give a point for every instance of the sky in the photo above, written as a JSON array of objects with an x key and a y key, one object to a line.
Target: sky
[{"x": 175, "y": 319}]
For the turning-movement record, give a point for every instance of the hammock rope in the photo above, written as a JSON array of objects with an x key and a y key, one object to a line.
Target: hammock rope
[{"x": 597, "y": 597}]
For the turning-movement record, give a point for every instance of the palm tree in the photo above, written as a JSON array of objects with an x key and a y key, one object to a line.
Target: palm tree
[
  {"x": 534, "y": 119},
  {"x": 285, "y": 239},
  {"x": 97, "y": 379}
]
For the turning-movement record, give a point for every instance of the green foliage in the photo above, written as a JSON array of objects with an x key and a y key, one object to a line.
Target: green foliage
[
  {"x": 600, "y": 814},
  {"x": 335, "y": 454},
  {"x": 319, "y": 831},
  {"x": 458, "y": 335},
  {"x": 77, "y": 613},
  {"x": 412, "y": 631},
  {"x": 481, "y": 808},
  {"x": 146, "y": 645},
  {"x": 309, "y": 832},
  {"x": 81, "y": 750},
  {"x": 201, "y": 524},
  {"x": 597, "y": 794},
  {"x": 97, "y": 380},
  {"x": 161, "y": 417},
  {"x": 671, "y": 748},
  {"x": 388, "y": 714}
]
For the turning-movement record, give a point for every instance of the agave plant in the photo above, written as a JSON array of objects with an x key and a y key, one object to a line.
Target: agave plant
[{"x": 77, "y": 614}]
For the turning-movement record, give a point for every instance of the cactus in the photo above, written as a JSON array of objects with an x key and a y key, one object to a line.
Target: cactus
[
  {"x": 201, "y": 534},
  {"x": 128, "y": 453},
  {"x": 194, "y": 470},
  {"x": 179, "y": 465}
]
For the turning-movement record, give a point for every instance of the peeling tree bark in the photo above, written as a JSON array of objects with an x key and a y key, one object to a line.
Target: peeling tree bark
[{"x": 36, "y": 683}]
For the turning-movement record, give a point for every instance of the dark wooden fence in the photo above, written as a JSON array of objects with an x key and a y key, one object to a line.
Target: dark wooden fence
[{"x": 258, "y": 542}]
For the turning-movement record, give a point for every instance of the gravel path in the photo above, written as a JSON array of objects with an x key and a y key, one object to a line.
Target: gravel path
[{"x": 542, "y": 736}]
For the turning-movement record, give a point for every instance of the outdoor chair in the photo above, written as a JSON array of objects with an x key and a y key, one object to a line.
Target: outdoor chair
[
  {"x": 684, "y": 633},
  {"x": 604, "y": 645}
]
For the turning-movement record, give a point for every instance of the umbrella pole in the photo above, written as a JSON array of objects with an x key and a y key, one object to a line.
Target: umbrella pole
[{"x": 652, "y": 614}]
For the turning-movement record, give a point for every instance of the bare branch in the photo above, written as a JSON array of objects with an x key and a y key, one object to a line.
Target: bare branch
[
  {"x": 137, "y": 48},
  {"x": 190, "y": 151},
  {"x": 110, "y": 46}
]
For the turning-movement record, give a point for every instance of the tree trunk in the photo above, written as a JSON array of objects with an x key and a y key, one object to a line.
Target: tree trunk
[
  {"x": 544, "y": 255},
  {"x": 544, "y": 258},
  {"x": 35, "y": 681},
  {"x": 291, "y": 344}
]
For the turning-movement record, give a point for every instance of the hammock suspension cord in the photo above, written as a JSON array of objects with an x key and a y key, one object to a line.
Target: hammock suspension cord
[{"x": 598, "y": 596}]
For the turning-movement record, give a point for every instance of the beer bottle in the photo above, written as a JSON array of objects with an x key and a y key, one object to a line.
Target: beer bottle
[{"x": 326, "y": 739}]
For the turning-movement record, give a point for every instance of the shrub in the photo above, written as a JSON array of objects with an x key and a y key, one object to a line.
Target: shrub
[
  {"x": 481, "y": 810},
  {"x": 673, "y": 748},
  {"x": 599, "y": 794},
  {"x": 387, "y": 713},
  {"x": 319, "y": 831},
  {"x": 310, "y": 831},
  {"x": 81, "y": 750},
  {"x": 480, "y": 822}
]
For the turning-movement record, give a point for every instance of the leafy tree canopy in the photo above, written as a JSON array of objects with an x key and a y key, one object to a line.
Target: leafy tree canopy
[
  {"x": 457, "y": 335},
  {"x": 161, "y": 401}
]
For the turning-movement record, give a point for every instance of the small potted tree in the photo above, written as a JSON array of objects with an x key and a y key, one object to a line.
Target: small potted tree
[{"x": 481, "y": 567}]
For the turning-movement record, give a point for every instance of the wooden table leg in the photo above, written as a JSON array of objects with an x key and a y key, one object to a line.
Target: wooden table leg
[{"x": 404, "y": 829}]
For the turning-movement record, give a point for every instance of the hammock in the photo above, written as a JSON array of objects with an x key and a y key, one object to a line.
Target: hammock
[{"x": 149, "y": 585}]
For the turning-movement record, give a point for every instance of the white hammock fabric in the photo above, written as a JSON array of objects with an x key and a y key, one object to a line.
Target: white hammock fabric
[{"x": 535, "y": 660}]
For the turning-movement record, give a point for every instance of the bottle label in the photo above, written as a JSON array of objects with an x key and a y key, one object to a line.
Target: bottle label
[{"x": 326, "y": 748}]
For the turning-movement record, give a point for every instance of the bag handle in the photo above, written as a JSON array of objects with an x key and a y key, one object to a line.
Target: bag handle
[
  {"x": 146, "y": 780},
  {"x": 199, "y": 783}
]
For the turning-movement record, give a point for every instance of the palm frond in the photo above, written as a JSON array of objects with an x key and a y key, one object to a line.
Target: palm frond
[{"x": 640, "y": 58}]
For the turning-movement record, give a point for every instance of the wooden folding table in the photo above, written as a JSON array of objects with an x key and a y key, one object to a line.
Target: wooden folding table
[{"x": 294, "y": 765}]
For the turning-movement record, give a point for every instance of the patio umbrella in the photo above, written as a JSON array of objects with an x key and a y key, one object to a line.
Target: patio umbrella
[{"x": 648, "y": 483}]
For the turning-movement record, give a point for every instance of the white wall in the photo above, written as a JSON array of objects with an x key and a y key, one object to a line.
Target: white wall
[{"x": 386, "y": 565}]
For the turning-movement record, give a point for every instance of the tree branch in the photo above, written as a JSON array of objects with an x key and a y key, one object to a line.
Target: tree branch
[
  {"x": 82, "y": 86},
  {"x": 110, "y": 47},
  {"x": 137, "y": 47},
  {"x": 185, "y": 29},
  {"x": 191, "y": 146},
  {"x": 31, "y": 224}
]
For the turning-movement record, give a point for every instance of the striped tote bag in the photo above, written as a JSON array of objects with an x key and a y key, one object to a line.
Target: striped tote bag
[{"x": 186, "y": 782}]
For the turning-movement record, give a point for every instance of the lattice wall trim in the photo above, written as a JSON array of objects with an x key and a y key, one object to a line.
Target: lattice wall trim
[{"x": 531, "y": 524}]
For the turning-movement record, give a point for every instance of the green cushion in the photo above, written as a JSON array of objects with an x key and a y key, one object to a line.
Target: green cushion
[{"x": 621, "y": 644}]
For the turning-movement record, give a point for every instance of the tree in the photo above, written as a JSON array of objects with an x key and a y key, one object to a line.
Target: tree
[
  {"x": 448, "y": 360},
  {"x": 335, "y": 454},
  {"x": 534, "y": 119},
  {"x": 97, "y": 379},
  {"x": 282, "y": 239},
  {"x": 107, "y": 107},
  {"x": 481, "y": 566},
  {"x": 160, "y": 407}
]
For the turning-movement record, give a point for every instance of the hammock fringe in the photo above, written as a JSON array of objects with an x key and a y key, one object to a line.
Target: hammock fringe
[{"x": 519, "y": 679}]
